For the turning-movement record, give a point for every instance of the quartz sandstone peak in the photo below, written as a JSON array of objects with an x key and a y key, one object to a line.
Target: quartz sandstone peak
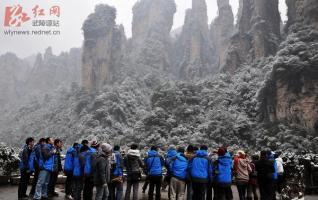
[{"x": 102, "y": 48}]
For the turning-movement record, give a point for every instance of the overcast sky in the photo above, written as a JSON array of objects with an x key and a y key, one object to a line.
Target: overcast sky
[{"x": 73, "y": 13}]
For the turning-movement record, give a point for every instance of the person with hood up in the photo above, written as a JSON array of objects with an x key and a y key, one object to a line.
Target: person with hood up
[
  {"x": 78, "y": 171},
  {"x": 69, "y": 168},
  {"x": 222, "y": 175},
  {"x": 133, "y": 164},
  {"x": 265, "y": 172},
  {"x": 178, "y": 168},
  {"x": 171, "y": 153},
  {"x": 102, "y": 171},
  {"x": 242, "y": 169},
  {"x": 154, "y": 164},
  {"x": 200, "y": 172},
  {"x": 89, "y": 156}
]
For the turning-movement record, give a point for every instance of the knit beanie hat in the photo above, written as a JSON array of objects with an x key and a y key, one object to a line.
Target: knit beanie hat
[{"x": 107, "y": 148}]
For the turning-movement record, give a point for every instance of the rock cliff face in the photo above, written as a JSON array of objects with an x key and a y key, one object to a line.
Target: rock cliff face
[
  {"x": 22, "y": 79},
  {"x": 222, "y": 29},
  {"x": 103, "y": 46},
  {"x": 195, "y": 56},
  {"x": 51, "y": 71},
  {"x": 151, "y": 26},
  {"x": 292, "y": 90},
  {"x": 13, "y": 72},
  {"x": 258, "y": 33}
]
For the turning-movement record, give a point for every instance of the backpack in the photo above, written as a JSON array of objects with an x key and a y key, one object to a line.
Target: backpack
[
  {"x": 77, "y": 166},
  {"x": 69, "y": 160},
  {"x": 89, "y": 160},
  {"x": 117, "y": 169}
]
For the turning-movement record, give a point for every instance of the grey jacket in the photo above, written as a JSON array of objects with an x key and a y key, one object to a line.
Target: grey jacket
[
  {"x": 101, "y": 169},
  {"x": 132, "y": 162}
]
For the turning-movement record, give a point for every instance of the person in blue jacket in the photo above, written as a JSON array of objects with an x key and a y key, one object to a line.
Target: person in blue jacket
[
  {"x": 171, "y": 153},
  {"x": 49, "y": 164},
  {"x": 116, "y": 184},
  {"x": 178, "y": 169},
  {"x": 35, "y": 164},
  {"x": 222, "y": 175},
  {"x": 200, "y": 172},
  {"x": 154, "y": 164},
  {"x": 78, "y": 171},
  {"x": 24, "y": 168},
  {"x": 68, "y": 169},
  {"x": 89, "y": 155}
]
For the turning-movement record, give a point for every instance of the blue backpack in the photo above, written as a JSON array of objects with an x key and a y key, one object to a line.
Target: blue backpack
[
  {"x": 36, "y": 158},
  {"x": 69, "y": 160},
  {"x": 88, "y": 155},
  {"x": 118, "y": 169},
  {"x": 154, "y": 164},
  {"x": 77, "y": 171}
]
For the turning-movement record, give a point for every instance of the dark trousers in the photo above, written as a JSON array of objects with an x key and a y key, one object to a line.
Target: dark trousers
[
  {"x": 252, "y": 192},
  {"x": 266, "y": 190},
  {"x": 35, "y": 180},
  {"x": 52, "y": 183},
  {"x": 189, "y": 190},
  {"x": 199, "y": 191},
  {"x": 69, "y": 184},
  {"x": 242, "y": 190},
  {"x": 78, "y": 187},
  {"x": 154, "y": 181},
  {"x": 280, "y": 183},
  {"x": 88, "y": 188},
  {"x": 23, "y": 185},
  {"x": 115, "y": 190},
  {"x": 209, "y": 192},
  {"x": 222, "y": 192},
  {"x": 135, "y": 185},
  {"x": 145, "y": 186}
]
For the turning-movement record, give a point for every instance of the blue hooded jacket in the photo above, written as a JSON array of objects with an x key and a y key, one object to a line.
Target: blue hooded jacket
[
  {"x": 179, "y": 167},
  {"x": 69, "y": 160},
  {"x": 223, "y": 170},
  {"x": 77, "y": 166},
  {"x": 170, "y": 154},
  {"x": 154, "y": 163},
  {"x": 88, "y": 161},
  {"x": 35, "y": 159},
  {"x": 200, "y": 167},
  {"x": 49, "y": 163}
]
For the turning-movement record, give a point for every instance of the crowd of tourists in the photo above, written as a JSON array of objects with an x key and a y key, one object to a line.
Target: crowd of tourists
[{"x": 193, "y": 173}]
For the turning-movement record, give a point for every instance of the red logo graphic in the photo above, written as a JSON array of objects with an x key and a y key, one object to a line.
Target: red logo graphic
[{"x": 14, "y": 16}]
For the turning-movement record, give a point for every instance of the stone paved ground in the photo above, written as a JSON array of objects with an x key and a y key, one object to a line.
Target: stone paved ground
[{"x": 10, "y": 193}]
